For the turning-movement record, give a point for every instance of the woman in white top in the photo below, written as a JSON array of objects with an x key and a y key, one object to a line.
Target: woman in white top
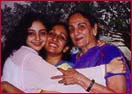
[{"x": 29, "y": 38}]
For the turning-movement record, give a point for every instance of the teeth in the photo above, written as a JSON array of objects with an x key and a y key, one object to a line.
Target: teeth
[{"x": 53, "y": 45}]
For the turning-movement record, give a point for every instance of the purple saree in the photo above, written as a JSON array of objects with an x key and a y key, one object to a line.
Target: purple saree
[{"x": 101, "y": 55}]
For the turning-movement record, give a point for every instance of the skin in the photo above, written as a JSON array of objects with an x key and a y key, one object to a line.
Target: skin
[
  {"x": 83, "y": 36},
  {"x": 36, "y": 36},
  {"x": 56, "y": 44},
  {"x": 36, "y": 39},
  {"x": 10, "y": 87},
  {"x": 55, "y": 47}
]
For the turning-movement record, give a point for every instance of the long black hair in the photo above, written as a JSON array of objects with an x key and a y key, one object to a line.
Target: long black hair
[{"x": 18, "y": 37}]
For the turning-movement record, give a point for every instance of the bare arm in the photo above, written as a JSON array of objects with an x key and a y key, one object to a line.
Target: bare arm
[
  {"x": 9, "y": 88},
  {"x": 119, "y": 87},
  {"x": 72, "y": 76},
  {"x": 117, "y": 83}
]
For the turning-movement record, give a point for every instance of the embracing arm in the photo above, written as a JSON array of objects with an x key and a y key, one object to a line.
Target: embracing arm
[
  {"x": 119, "y": 87},
  {"x": 71, "y": 76},
  {"x": 9, "y": 88}
]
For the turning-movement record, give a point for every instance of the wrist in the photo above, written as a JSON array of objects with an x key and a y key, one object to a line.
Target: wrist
[
  {"x": 84, "y": 82},
  {"x": 90, "y": 85}
]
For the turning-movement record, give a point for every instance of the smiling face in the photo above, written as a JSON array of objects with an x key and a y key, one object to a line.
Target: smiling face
[
  {"x": 56, "y": 40},
  {"x": 81, "y": 32},
  {"x": 36, "y": 36}
]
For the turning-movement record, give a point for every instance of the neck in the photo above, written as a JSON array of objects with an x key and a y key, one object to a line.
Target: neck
[
  {"x": 53, "y": 59},
  {"x": 84, "y": 49}
]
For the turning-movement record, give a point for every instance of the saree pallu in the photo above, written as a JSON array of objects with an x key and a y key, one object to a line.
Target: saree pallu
[{"x": 99, "y": 55}]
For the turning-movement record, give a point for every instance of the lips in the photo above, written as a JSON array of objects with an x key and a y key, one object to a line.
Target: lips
[
  {"x": 78, "y": 38},
  {"x": 37, "y": 43},
  {"x": 52, "y": 44}
]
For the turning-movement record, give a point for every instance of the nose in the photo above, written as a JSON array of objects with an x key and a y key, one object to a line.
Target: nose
[
  {"x": 76, "y": 32},
  {"x": 55, "y": 38},
  {"x": 37, "y": 37}
]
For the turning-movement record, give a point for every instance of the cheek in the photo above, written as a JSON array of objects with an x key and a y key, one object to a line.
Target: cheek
[
  {"x": 88, "y": 38},
  {"x": 43, "y": 38},
  {"x": 28, "y": 41},
  {"x": 86, "y": 32},
  {"x": 62, "y": 44},
  {"x": 28, "y": 38}
]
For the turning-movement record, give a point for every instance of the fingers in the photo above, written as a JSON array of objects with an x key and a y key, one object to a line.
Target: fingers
[
  {"x": 62, "y": 81},
  {"x": 62, "y": 70},
  {"x": 124, "y": 68},
  {"x": 65, "y": 81},
  {"x": 123, "y": 71},
  {"x": 57, "y": 77},
  {"x": 119, "y": 58}
]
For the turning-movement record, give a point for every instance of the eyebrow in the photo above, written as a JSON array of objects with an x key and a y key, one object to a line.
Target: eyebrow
[
  {"x": 43, "y": 29},
  {"x": 84, "y": 22},
  {"x": 34, "y": 30}
]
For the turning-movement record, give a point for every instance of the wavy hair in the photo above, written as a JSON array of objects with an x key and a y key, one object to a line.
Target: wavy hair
[{"x": 18, "y": 37}]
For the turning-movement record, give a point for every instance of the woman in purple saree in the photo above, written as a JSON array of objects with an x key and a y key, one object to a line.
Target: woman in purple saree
[
  {"x": 101, "y": 55},
  {"x": 83, "y": 31}
]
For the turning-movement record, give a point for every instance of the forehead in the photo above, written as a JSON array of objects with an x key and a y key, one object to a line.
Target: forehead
[
  {"x": 76, "y": 18},
  {"x": 37, "y": 24},
  {"x": 59, "y": 29}
]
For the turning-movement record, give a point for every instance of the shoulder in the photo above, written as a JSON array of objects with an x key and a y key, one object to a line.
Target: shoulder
[
  {"x": 24, "y": 54},
  {"x": 10, "y": 70},
  {"x": 26, "y": 50},
  {"x": 110, "y": 48},
  {"x": 8, "y": 64},
  {"x": 109, "y": 51}
]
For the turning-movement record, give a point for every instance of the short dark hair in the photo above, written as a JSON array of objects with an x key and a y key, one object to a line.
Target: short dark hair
[
  {"x": 67, "y": 55},
  {"x": 91, "y": 18},
  {"x": 86, "y": 14}
]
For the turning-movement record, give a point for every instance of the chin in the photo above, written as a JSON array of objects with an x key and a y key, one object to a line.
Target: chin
[
  {"x": 37, "y": 49},
  {"x": 79, "y": 45}
]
